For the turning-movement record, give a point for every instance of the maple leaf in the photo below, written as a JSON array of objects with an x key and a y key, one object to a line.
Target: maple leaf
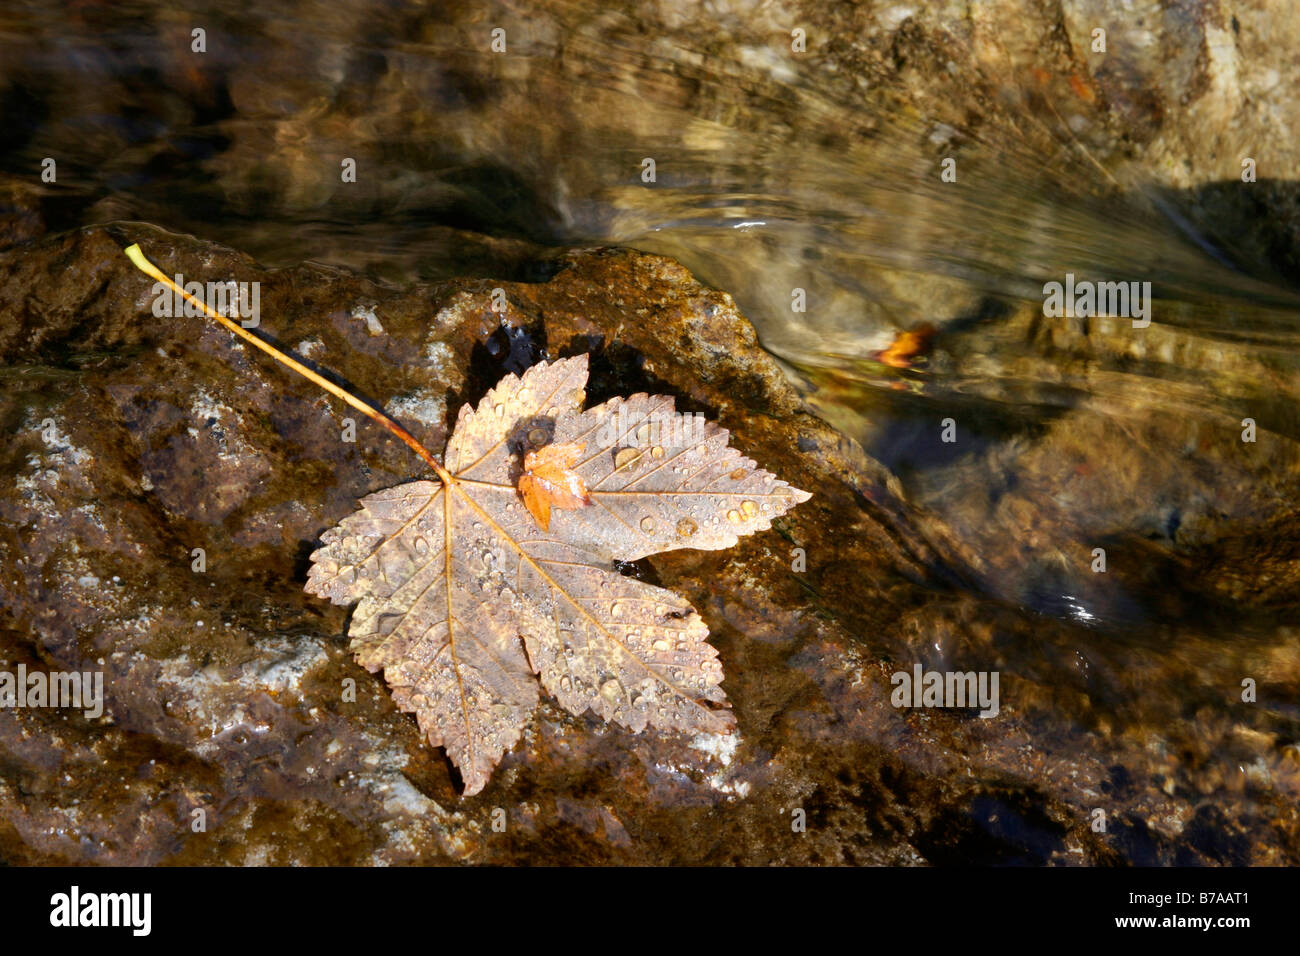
[{"x": 469, "y": 595}]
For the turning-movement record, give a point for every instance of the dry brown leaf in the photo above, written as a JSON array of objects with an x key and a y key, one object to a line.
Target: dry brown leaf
[{"x": 464, "y": 599}]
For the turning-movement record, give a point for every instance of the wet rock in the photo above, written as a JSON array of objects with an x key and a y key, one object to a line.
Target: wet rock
[{"x": 164, "y": 483}]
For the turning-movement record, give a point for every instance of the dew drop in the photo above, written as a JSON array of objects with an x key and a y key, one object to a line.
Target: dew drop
[
  {"x": 499, "y": 410},
  {"x": 733, "y": 516},
  {"x": 421, "y": 546},
  {"x": 537, "y": 437},
  {"x": 737, "y": 474},
  {"x": 657, "y": 452},
  {"x": 749, "y": 508},
  {"x": 648, "y": 432},
  {"x": 565, "y": 684},
  {"x": 615, "y": 609},
  {"x": 523, "y": 394},
  {"x": 647, "y": 524},
  {"x": 626, "y": 458},
  {"x": 687, "y": 527},
  {"x": 660, "y": 645},
  {"x": 611, "y": 690},
  {"x": 577, "y": 396}
]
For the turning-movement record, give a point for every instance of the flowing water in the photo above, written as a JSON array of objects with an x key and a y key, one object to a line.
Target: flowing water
[{"x": 772, "y": 174}]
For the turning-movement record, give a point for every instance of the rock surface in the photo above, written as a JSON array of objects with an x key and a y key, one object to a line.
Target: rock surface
[{"x": 136, "y": 440}]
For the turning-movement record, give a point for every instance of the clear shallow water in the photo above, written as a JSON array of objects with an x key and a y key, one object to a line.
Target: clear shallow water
[{"x": 771, "y": 175}]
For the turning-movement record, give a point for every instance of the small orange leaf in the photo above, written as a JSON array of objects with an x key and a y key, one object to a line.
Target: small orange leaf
[
  {"x": 548, "y": 480},
  {"x": 907, "y": 346}
]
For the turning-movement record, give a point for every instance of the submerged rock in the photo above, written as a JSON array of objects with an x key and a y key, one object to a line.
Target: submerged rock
[{"x": 163, "y": 485}]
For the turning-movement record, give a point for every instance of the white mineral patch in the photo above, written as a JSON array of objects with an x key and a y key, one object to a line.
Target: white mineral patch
[
  {"x": 424, "y": 405},
  {"x": 205, "y": 407},
  {"x": 207, "y": 687},
  {"x": 720, "y": 746},
  {"x": 892, "y": 18},
  {"x": 437, "y": 355},
  {"x": 60, "y": 450},
  {"x": 367, "y": 313},
  {"x": 942, "y": 133},
  {"x": 309, "y": 347},
  {"x": 400, "y": 795},
  {"x": 720, "y": 783},
  {"x": 771, "y": 60},
  {"x": 91, "y": 514},
  {"x": 293, "y": 660}
]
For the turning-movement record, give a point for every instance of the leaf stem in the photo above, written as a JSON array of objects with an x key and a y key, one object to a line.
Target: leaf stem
[{"x": 148, "y": 268}]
